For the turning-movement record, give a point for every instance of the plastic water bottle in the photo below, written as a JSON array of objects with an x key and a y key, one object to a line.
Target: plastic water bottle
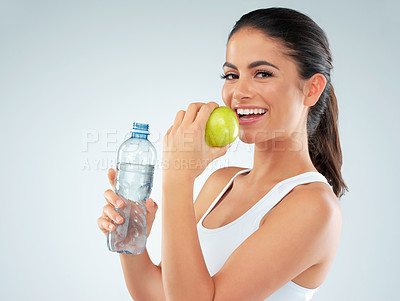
[{"x": 136, "y": 158}]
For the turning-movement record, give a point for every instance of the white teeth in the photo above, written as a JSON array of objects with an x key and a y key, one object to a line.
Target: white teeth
[{"x": 251, "y": 111}]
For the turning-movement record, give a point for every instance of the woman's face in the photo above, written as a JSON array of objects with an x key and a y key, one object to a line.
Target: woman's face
[{"x": 258, "y": 75}]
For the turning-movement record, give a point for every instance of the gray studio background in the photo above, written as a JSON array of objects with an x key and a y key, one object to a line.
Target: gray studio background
[{"x": 74, "y": 75}]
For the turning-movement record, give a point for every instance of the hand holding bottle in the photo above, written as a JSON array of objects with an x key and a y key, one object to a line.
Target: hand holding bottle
[{"x": 113, "y": 201}]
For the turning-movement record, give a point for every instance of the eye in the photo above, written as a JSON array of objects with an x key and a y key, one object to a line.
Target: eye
[
  {"x": 229, "y": 76},
  {"x": 263, "y": 74}
]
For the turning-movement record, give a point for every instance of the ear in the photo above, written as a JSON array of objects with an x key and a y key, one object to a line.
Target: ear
[{"x": 314, "y": 88}]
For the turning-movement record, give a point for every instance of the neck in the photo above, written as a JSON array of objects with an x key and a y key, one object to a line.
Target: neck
[{"x": 280, "y": 158}]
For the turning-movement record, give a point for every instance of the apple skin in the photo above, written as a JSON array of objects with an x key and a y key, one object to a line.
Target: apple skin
[{"x": 222, "y": 127}]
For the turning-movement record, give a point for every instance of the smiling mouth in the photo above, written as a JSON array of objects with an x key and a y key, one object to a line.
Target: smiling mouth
[{"x": 249, "y": 114}]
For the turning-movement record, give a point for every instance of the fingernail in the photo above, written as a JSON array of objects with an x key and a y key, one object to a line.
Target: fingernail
[
  {"x": 120, "y": 203},
  {"x": 119, "y": 219},
  {"x": 110, "y": 227}
]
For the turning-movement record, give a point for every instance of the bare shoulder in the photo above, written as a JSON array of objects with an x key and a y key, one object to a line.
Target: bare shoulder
[
  {"x": 319, "y": 197},
  {"x": 318, "y": 206},
  {"x": 316, "y": 198},
  {"x": 212, "y": 188}
]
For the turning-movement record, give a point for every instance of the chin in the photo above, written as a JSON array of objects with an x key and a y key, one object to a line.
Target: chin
[{"x": 250, "y": 137}]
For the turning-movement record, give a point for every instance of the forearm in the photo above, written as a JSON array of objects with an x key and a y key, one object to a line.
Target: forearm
[
  {"x": 185, "y": 274},
  {"x": 142, "y": 277}
]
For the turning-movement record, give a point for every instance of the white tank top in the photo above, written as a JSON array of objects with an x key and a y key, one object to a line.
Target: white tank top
[{"x": 218, "y": 244}]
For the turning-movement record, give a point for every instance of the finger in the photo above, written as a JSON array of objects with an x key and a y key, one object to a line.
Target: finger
[
  {"x": 111, "y": 177},
  {"x": 178, "y": 118},
  {"x": 205, "y": 113},
  {"x": 113, "y": 199},
  {"x": 105, "y": 225},
  {"x": 191, "y": 112},
  {"x": 109, "y": 212},
  {"x": 169, "y": 130},
  {"x": 151, "y": 206},
  {"x": 218, "y": 151}
]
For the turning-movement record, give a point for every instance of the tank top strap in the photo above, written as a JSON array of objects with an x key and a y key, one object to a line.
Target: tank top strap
[
  {"x": 304, "y": 178},
  {"x": 280, "y": 190},
  {"x": 222, "y": 193}
]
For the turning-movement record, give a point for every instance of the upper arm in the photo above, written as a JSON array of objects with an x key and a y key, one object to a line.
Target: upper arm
[
  {"x": 291, "y": 240},
  {"x": 210, "y": 190}
]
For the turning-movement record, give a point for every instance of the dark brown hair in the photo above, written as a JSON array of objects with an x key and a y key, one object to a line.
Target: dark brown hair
[{"x": 308, "y": 46}]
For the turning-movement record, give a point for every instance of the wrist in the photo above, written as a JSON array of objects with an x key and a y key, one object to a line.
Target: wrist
[
  {"x": 181, "y": 177},
  {"x": 184, "y": 168}
]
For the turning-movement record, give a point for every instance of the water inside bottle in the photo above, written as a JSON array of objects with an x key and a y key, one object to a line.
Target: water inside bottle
[{"x": 134, "y": 181}]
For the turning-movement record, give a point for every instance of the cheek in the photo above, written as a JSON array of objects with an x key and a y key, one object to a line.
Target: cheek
[
  {"x": 278, "y": 95},
  {"x": 226, "y": 95},
  {"x": 276, "y": 88}
]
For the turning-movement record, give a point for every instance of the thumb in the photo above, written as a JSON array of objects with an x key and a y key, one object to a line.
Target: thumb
[
  {"x": 151, "y": 206},
  {"x": 111, "y": 177},
  {"x": 218, "y": 151}
]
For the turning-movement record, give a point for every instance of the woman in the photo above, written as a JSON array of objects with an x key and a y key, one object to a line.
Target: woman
[{"x": 266, "y": 233}]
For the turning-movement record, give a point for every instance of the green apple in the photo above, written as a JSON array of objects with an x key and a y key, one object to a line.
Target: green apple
[{"x": 222, "y": 127}]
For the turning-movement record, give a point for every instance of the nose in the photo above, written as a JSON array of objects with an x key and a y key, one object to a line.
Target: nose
[{"x": 242, "y": 90}]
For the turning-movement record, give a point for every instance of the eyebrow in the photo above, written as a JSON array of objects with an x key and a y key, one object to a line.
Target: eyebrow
[{"x": 251, "y": 65}]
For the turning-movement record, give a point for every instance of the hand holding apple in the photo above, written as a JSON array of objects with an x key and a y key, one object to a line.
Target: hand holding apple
[{"x": 185, "y": 151}]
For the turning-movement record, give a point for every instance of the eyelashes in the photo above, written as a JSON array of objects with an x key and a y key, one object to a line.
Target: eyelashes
[
  {"x": 264, "y": 73},
  {"x": 230, "y": 76},
  {"x": 226, "y": 76}
]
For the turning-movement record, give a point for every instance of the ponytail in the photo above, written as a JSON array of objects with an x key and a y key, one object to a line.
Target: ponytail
[{"x": 323, "y": 141}]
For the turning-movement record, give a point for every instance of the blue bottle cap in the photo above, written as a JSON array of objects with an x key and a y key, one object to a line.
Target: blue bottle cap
[{"x": 141, "y": 128}]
